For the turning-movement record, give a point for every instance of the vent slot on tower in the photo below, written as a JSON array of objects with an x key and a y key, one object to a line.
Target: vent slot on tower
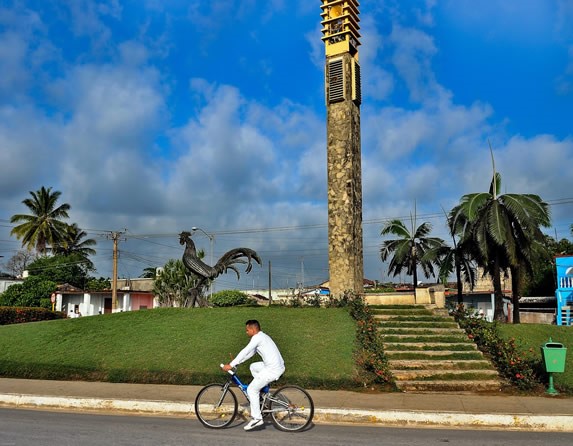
[
  {"x": 356, "y": 83},
  {"x": 335, "y": 81}
]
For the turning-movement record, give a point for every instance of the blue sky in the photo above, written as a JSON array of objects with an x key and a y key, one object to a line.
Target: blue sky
[{"x": 160, "y": 115}]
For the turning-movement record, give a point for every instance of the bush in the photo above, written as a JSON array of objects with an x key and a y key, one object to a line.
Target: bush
[
  {"x": 229, "y": 298},
  {"x": 369, "y": 352},
  {"x": 520, "y": 368},
  {"x": 20, "y": 315},
  {"x": 33, "y": 292}
]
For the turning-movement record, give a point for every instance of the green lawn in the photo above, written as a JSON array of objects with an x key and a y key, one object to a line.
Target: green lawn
[
  {"x": 185, "y": 346},
  {"x": 533, "y": 336},
  {"x": 180, "y": 346}
]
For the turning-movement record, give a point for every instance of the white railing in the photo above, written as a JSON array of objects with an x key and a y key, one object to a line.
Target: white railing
[{"x": 565, "y": 282}]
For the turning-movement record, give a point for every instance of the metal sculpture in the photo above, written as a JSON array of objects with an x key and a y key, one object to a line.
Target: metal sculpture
[{"x": 204, "y": 272}]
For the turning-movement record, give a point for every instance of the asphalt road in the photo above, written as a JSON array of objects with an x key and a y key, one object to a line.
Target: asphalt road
[{"x": 27, "y": 427}]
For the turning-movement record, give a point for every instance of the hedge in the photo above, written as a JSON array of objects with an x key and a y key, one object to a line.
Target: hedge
[{"x": 20, "y": 315}]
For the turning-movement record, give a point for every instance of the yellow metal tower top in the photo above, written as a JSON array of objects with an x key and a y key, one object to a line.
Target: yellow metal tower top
[{"x": 340, "y": 26}]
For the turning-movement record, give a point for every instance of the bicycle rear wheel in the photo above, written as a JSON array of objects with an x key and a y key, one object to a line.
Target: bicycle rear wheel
[
  {"x": 291, "y": 408},
  {"x": 216, "y": 406}
]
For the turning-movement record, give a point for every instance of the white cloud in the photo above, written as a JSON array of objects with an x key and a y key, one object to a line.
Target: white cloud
[
  {"x": 13, "y": 51},
  {"x": 413, "y": 52}
]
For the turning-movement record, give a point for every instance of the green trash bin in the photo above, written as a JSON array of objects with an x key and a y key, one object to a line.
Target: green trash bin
[{"x": 553, "y": 354}]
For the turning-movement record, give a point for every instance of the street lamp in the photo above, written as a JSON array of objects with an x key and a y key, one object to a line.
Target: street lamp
[{"x": 211, "y": 238}]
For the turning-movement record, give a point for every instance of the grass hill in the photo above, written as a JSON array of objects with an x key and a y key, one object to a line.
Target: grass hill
[
  {"x": 180, "y": 346},
  {"x": 530, "y": 338},
  {"x": 186, "y": 346}
]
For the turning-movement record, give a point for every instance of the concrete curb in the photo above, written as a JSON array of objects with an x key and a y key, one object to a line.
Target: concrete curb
[
  {"x": 525, "y": 422},
  {"x": 395, "y": 418}
]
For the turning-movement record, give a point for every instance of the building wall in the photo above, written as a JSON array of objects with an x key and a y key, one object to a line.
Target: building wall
[
  {"x": 434, "y": 295},
  {"x": 6, "y": 283},
  {"x": 485, "y": 283}
]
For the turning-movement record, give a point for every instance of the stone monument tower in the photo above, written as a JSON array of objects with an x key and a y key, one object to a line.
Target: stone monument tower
[{"x": 343, "y": 98}]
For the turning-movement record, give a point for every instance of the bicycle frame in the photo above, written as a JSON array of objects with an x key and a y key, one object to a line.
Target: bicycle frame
[{"x": 265, "y": 392}]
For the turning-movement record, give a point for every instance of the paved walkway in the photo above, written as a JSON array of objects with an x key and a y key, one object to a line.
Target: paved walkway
[{"x": 389, "y": 409}]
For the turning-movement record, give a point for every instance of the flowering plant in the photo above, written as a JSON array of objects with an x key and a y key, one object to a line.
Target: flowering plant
[
  {"x": 520, "y": 368},
  {"x": 369, "y": 352}
]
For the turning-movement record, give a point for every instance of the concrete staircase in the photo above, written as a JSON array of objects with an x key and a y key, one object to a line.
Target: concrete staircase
[{"x": 428, "y": 351}]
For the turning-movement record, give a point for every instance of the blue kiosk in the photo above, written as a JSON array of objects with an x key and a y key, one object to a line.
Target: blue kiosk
[{"x": 564, "y": 291}]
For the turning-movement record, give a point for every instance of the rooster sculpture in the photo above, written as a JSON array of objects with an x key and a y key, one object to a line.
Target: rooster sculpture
[{"x": 204, "y": 272}]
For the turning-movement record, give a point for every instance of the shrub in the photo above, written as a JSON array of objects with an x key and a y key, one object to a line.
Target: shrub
[
  {"x": 20, "y": 315},
  {"x": 369, "y": 353},
  {"x": 229, "y": 298},
  {"x": 33, "y": 292},
  {"x": 520, "y": 368}
]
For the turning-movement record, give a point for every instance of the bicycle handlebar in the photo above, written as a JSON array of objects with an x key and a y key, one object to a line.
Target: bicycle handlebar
[{"x": 230, "y": 372}]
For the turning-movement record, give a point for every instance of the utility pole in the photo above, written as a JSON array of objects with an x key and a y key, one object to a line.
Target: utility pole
[
  {"x": 302, "y": 273},
  {"x": 115, "y": 236},
  {"x": 270, "y": 295}
]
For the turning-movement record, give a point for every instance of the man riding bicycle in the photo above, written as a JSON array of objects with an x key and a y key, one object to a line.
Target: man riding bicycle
[{"x": 270, "y": 369}]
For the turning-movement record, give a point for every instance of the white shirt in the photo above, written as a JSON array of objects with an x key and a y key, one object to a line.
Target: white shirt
[{"x": 262, "y": 344}]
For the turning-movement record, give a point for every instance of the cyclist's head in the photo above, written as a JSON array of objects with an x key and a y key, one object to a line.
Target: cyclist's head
[{"x": 252, "y": 327}]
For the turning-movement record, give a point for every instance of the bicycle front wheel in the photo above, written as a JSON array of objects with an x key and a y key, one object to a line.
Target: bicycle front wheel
[
  {"x": 216, "y": 406},
  {"x": 291, "y": 408}
]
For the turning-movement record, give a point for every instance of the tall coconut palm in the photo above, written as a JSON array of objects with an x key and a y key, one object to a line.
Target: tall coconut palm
[
  {"x": 73, "y": 244},
  {"x": 411, "y": 250},
  {"x": 458, "y": 258},
  {"x": 44, "y": 226},
  {"x": 503, "y": 229}
]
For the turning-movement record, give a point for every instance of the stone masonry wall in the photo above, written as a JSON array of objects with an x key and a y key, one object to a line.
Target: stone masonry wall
[{"x": 344, "y": 192}]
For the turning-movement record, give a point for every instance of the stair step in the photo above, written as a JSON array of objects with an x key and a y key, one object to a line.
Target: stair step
[
  {"x": 440, "y": 375},
  {"x": 429, "y": 346},
  {"x": 421, "y": 330},
  {"x": 439, "y": 364},
  {"x": 404, "y": 312},
  {"x": 417, "y": 324},
  {"x": 425, "y": 338},
  {"x": 436, "y": 355},
  {"x": 449, "y": 386},
  {"x": 412, "y": 318}
]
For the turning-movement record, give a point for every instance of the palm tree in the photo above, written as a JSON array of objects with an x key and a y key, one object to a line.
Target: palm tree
[
  {"x": 458, "y": 259},
  {"x": 73, "y": 244},
  {"x": 173, "y": 284},
  {"x": 503, "y": 229},
  {"x": 44, "y": 226},
  {"x": 413, "y": 248}
]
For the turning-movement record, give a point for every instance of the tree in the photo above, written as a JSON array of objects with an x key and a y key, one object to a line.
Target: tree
[
  {"x": 458, "y": 259},
  {"x": 33, "y": 292},
  {"x": 19, "y": 262},
  {"x": 44, "y": 226},
  {"x": 543, "y": 280},
  {"x": 172, "y": 285},
  {"x": 72, "y": 243},
  {"x": 149, "y": 273},
  {"x": 413, "y": 248},
  {"x": 100, "y": 284},
  {"x": 505, "y": 229},
  {"x": 72, "y": 269}
]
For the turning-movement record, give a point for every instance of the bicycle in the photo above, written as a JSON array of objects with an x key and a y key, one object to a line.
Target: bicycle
[{"x": 291, "y": 408}]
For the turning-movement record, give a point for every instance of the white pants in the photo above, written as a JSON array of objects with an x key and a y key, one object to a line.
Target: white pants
[{"x": 261, "y": 377}]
